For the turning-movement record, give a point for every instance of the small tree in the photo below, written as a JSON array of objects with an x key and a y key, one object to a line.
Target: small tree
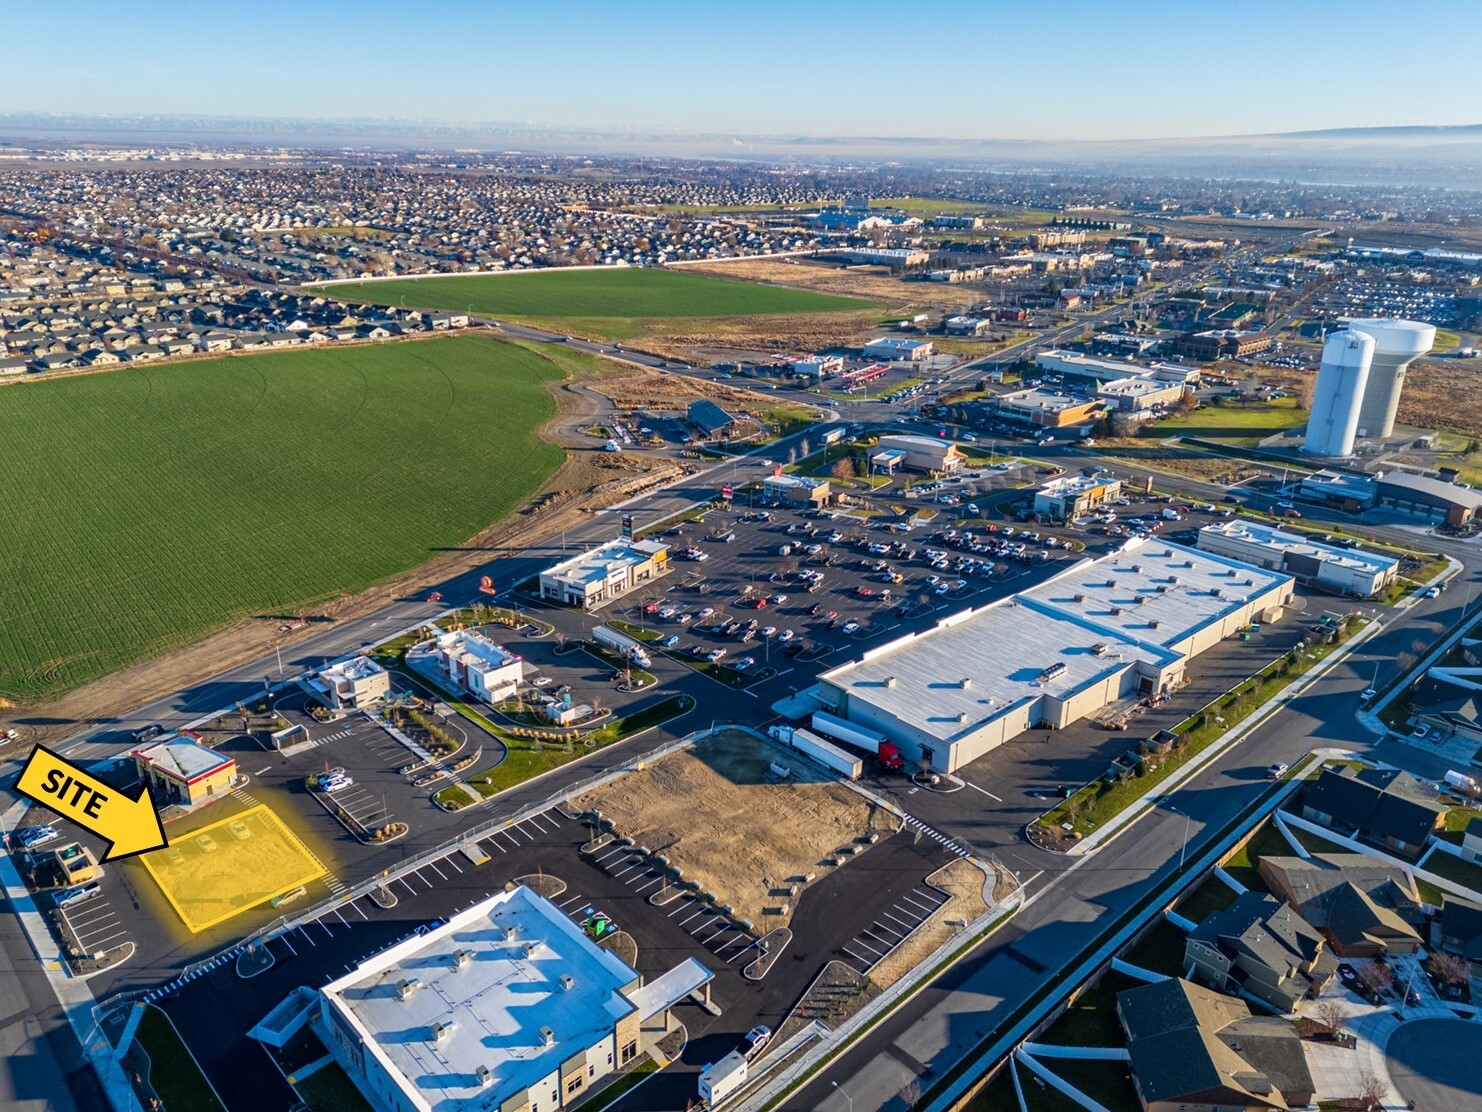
[
  {"x": 1377, "y": 975},
  {"x": 842, "y": 469},
  {"x": 1371, "y": 1092},
  {"x": 1073, "y": 807},
  {"x": 1449, "y": 969},
  {"x": 1330, "y": 1016}
]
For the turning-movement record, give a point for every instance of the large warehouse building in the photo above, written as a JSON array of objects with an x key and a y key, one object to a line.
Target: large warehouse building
[
  {"x": 1124, "y": 625},
  {"x": 507, "y": 1007}
]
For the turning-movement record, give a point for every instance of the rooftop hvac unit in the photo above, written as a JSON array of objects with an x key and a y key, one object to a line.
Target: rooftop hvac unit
[
  {"x": 442, "y": 1030},
  {"x": 405, "y": 988},
  {"x": 511, "y": 932},
  {"x": 566, "y": 982},
  {"x": 1249, "y": 582},
  {"x": 1167, "y": 553},
  {"x": 547, "y": 1037},
  {"x": 888, "y": 681},
  {"x": 1053, "y": 672},
  {"x": 1173, "y": 579},
  {"x": 1100, "y": 649},
  {"x": 1140, "y": 600},
  {"x": 962, "y": 718},
  {"x": 461, "y": 958},
  {"x": 965, "y": 683},
  {"x": 531, "y": 948},
  {"x": 1153, "y": 623},
  {"x": 1188, "y": 563},
  {"x": 485, "y": 1076},
  {"x": 1161, "y": 588},
  {"x": 1078, "y": 598},
  {"x": 1134, "y": 567},
  {"x": 1215, "y": 591}
]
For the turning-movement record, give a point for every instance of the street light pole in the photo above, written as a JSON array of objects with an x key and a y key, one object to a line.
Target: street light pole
[
  {"x": 847, "y": 1097},
  {"x": 1184, "y": 849}
]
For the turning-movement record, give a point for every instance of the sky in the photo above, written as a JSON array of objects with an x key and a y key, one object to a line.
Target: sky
[{"x": 1014, "y": 69}]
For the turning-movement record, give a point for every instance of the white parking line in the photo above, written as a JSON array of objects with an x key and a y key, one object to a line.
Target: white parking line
[
  {"x": 650, "y": 884},
  {"x": 567, "y": 903},
  {"x": 683, "y": 903},
  {"x": 691, "y": 915},
  {"x": 856, "y": 957},
  {"x": 492, "y": 844},
  {"x": 985, "y": 791},
  {"x": 433, "y": 866},
  {"x": 283, "y": 938},
  {"x": 880, "y": 930},
  {"x": 403, "y": 882},
  {"x": 356, "y": 905},
  {"x": 94, "y": 944},
  {"x": 629, "y": 869},
  {"x": 343, "y": 921},
  {"x": 612, "y": 853},
  {"x": 858, "y": 941},
  {"x": 450, "y": 860},
  {"x": 902, "y": 922}
]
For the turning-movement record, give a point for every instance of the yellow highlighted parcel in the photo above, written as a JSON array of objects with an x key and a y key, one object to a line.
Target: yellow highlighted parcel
[{"x": 230, "y": 867}]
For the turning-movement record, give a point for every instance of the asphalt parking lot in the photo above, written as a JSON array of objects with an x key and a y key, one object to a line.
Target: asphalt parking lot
[{"x": 851, "y": 911}]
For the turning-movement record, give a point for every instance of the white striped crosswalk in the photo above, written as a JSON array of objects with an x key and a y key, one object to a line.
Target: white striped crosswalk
[{"x": 936, "y": 835}]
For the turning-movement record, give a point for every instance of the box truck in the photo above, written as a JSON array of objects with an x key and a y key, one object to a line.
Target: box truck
[
  {"x": 624, "y": 646},
  {"x": 719, "y": 1081}
]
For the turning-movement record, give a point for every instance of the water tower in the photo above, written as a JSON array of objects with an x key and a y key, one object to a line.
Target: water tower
[
  {"x": 1341, "y": 383},
  {"x": 1397, "y": 343}
]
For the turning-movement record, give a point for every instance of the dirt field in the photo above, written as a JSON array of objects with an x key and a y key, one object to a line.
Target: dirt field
[
  {"x": 715, "y": 813},
  {"x": 872, "y": 282},
  {"x": 1443, "y": 394},
  {"x": 720, "y": 339},
  {"x": 1189, "y": 462}
]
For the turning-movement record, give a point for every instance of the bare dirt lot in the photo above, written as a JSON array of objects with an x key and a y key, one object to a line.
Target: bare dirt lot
[
  {"x": 1443, "y": 394},
  {"x": 716, "y": 338},
  {"x": 855, "y": 281},
  {"x": 716, "y": 813},
  {"x": 964, "y": 882}
]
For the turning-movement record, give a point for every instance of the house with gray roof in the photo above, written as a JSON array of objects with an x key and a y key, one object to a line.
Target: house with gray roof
[
  {"x": 1385, "y": 805},
  {"x": 1192, "y": 1048},
  {"x": 1261, "y": 947},
  {"x": 1363, "y": 906}
]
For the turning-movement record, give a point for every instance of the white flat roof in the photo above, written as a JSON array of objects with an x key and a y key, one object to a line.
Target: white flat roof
[
  {"x": 1047, "y": 400},
  {"x": 473, "y": 647},
  {"x": 497, "y": 1002},
  {"x": 1072, "y": 485},
  {"x": 1137, "y": 384},
  {"x": 1175, "y": 585},
  {"x": 1076, "y": 619},
  {"x": 1266, "y": 536},
  {"x": 352, "y": 668},
  {"x": 598, "y": 564}
]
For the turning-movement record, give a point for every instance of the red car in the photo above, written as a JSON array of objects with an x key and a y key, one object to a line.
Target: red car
[{"x": 866, "y": 592}]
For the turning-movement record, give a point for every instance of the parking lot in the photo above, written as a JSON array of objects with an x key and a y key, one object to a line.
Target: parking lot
[{"x": 213, "y": 1011}]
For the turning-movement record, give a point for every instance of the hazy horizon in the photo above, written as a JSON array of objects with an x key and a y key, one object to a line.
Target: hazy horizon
[{"x": 1081, "y": 72}]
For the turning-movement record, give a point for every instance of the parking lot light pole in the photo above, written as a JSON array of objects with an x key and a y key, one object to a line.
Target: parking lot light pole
[
  {"x": 847, "y": 1097},
  {"x": 1184, "y": 849}
]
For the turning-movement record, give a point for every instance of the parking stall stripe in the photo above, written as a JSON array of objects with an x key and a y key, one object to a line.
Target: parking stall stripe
[
  {"x": 611, "y": 853},
  {"x": 492, "y": 844},
  {"x": 649, "y": 885},
  {"x": 855, "y": 956},
  {"x": 877, "y": 926},
  {"x": 403, "y": 882},
  {"x": 860, "y": 942},
  {"x": 683, "y": 903},
  {"x": 341, "y": 918},
  {"x": 433, "y": 866},
  {"x": 307, "y": 936},
  {"x": 450, "y": 861},
  {"x": 567, "y": 903},
  {"x": 505, "y": 833},
  {"x": 356, "y": 905},
  {"x": 690, "y": 916},
  {"x": 325, "y": 925},
  {"x": 902, "y": 922}
]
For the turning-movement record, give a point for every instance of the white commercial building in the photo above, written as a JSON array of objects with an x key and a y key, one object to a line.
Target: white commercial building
[
  {"x": 921, "y": 453},
  {"x": 897, "y": 347},
  {"x": 469, "y": 660},
  {"x": 350, "y": 684},
  {"x": 1118, "y": 627},
  {"x": 1139, "y": 393},
  {"x": 1348, "y": 571},
  {"x": 506, "y": 1007},
  {"x": 603, "y": 573}
]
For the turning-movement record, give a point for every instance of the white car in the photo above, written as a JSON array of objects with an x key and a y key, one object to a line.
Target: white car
[
  {"x": 850, "y": 627},
  {"x": 541, "y": 681},
  {"x": 943, "y": 588},
  {"x": 786, "y": 635},
  {"x": 1366, "y": 694},
  {"x": 709, "y": 610},
  {"x": 778, "y": 600},
  {"x": 769, "y": 631},
  {"x": 36, "y": 836},
  {"x": 336, "y": 782},
  {"x": 667, "y": 612}
]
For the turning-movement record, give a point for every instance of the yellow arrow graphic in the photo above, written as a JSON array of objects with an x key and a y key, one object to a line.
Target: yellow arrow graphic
[{"x": 131, "y": 826}]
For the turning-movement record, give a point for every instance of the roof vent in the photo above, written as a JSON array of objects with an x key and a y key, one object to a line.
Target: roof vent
[
  {"x": 888, "y": 681},
  {"x": 1167, "y": 553},
  {"x": 965, "y": 683},
  {"x": 547, "y": 1037},
  {"x": 1100, "y": 649},
  {"x": 566, "y": 982},
  {"x": 405, "y": 988},
  {"x": 511, "y": 932},
  {"x": 1140, "y": 600},
  {"x": 1161, "y": 588},
  {"x": 1053, "y": 672},
  {"x": 461, "y": 958},
  {"x": 1116, "y": 611},
  {"x": 1078, "y": 598},
  {"x": 1153, "y": 623},
  {"x": 962, "y": 718},
  {"x": 1173, "y": 579},
  {"x": 1134, "y": 567},
  {"x": 1249, "y": 582},
  {"x": 442, "y": 1030},
  {"x": 485, "y": 1076},
  {"x": 531, "y": 948},
  {"x": 1215, "y": 591}
]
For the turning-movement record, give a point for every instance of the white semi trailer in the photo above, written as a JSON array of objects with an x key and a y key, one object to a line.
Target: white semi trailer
[
  {"x": 825, "y": 753},
  {"x": 623, "y": 645}
]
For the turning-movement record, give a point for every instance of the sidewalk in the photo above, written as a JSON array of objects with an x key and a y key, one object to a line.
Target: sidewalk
[{"x": 72, "y": 993}]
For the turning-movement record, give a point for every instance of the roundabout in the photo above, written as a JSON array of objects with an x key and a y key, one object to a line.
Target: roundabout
[{"x": 1433, "y": 1063}]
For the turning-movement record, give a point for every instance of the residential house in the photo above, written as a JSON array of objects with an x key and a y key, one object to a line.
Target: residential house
[
  {"x": 1194, "y": 1050},
  {"x": 1385, "y": 805},
  {"x": 1460, "y": 932},
  {"x": 1471, "y": 841},
  {"x": 1363, "y": 906},
  {"x": 1263, "y": 948}
]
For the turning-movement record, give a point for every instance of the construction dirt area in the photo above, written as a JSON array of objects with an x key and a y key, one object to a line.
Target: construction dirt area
[
  {"x": 722, "y": 818},
  {"x": 874, "y": 282}
]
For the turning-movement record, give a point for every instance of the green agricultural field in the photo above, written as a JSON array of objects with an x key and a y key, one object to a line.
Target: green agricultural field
[
  {"x": 615, "y": 302},
  {"x": 143, "y": 509}
]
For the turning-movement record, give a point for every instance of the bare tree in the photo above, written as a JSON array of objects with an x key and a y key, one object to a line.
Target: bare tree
[
  {"x": 1330, "y": 1016},
  {"x": 1449, "y": 969},
  {"x": 1377, "y": 975},
  {"x": 911, "y": 1094},
  {"x": 1371, "y": 1092},
  {"x": 842, "y": 469},
  {"x": 1073, "y": 807}
]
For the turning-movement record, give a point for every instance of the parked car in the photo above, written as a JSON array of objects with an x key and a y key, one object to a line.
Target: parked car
[
  {"x": 541, "y": 681},
  {"x": 34, "y": 836},
  {"x": 850, "y": 627},
  {"x": 786, "y": 635},
  {"x": 147, "y": 733},
  {"x": 78, "y": 893},
  {"x": 1276, "y": 771},
  {"x": 206, "y": 843}
]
